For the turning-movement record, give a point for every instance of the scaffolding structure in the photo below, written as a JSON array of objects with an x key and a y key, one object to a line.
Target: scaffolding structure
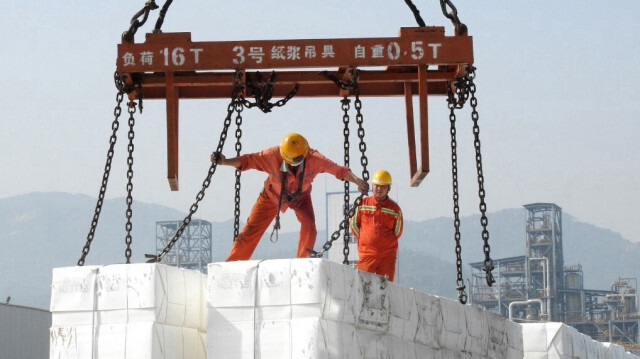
[
  {"x": 545, "y": 261},
  {"x": 192, "y": 251},
  {"x": 538, "y": 287}
]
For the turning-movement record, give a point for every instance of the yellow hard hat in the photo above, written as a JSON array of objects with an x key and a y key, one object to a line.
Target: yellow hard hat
[
  {"x": 381, "y": 178},
  {"x": 294, "y": 148}
]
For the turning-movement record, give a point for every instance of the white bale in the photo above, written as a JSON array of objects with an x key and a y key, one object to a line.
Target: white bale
[
  {"x": 498, "y": 341},
  {"x": 534, "y": 337},
  {"x": 372, "y": 302},
  {"x": 477, "y": 329},
  {"x": 232, "y": 284},
  {"x": 124, "y": 293},
  {"x": 402, "y": 349},
  {"x": 403, "y": 319},
  {"x": 556, "y": 340},
  {"x": 430, "y": 319},
  {"x": 73, "y": 289},
  {"x": 613, "y": 351},
  {"x": 322, "y": 289},
  {"x": 514, "y": 337},
  {"x": 280, "y": 289},
  {"x": 144, "y": 340},
  {"x": 454, "y": 329},
  {"x": 373, "y": 344},
  {"x": 595, "y": 349},
  {"x": 283, "y": 339}
]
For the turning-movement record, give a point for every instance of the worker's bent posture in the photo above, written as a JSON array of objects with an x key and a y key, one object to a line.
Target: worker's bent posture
[
  {"x": 377, "y": 224},
  {"x": 292, "y": 166}
]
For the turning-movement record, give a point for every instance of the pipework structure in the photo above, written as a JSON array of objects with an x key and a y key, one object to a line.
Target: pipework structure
[
  {"x": 545, "y": 261},
  {"x": 539, "y": 287},
  {"x": 192, "y": 251}
]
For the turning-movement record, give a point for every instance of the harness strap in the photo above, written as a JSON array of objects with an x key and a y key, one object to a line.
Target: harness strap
[{"x": 289, "y": 197}]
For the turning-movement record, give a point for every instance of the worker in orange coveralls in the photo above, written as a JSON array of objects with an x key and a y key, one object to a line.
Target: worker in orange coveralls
[
  {"x": 377, "y": 224},
  {"x": 292, "y": 166}
]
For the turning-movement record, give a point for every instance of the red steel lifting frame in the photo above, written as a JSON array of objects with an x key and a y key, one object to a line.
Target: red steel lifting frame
[{"x": 170, "y": 66}]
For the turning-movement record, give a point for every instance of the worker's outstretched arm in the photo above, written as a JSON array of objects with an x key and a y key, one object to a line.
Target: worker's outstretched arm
[
  {"x": 220, "y": 159},
  {"x": 363, "y": 186}
]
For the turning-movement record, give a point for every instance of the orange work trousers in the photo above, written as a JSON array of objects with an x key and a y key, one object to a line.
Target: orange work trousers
[
  {"x": 262, "y": 213},
  {"x": 379, "y": 265}
]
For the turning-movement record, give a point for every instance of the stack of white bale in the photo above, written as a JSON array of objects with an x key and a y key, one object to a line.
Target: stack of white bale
[
  {"x": 312, "y": 308},
  {"x": 554, "y": 340},
  {"x": 128, "y": 311}
]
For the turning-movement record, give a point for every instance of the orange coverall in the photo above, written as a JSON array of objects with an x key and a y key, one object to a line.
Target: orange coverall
[
  {"x": 377, "y": 226},
  {"x": 266, "y": 206}
]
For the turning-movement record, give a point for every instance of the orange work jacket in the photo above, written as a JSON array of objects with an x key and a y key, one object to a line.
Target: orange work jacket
[
  {"x": 377, "y": 226},
  {"x": 270, "y": 161}
]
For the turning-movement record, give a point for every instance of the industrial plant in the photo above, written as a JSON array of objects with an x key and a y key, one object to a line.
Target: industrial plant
[{"x": 540, "y": 287}]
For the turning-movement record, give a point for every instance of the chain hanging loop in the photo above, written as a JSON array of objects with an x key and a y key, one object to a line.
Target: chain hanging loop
[
  {"x": 345, "y": 119},
  {"x": 488, "y": 262},
  {"x": 460, "y": 28},
  {"x": 129, "y": 200},
  {"x": 344, "y": 225},
  {"x": 136, "y": 23},
  {"x": 235, "y": 102},
  {"x": 416, "y": 13},
  {"x": 117, "y": 111},
  {"x": 452, "y": 103},
  {"x": 236, "y": 212},
  {"x": 163, "y": 12},
  {"x": 262, "y": 91}
]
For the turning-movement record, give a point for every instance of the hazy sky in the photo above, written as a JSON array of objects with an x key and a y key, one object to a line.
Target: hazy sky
[{"x": 557, "y": 87}]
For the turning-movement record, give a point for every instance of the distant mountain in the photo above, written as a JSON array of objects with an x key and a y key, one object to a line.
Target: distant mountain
[
  {"x": 603, "y": 254},
  {"x": 43, "y": 231}
]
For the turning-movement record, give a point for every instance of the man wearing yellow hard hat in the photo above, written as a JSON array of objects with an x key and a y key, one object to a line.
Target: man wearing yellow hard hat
[
  {"x": 292, "y": 166},
  {"x": 377, "y": 224}
]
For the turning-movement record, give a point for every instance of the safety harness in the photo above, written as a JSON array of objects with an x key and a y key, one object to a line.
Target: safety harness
[{"x": 286, "y": 195}]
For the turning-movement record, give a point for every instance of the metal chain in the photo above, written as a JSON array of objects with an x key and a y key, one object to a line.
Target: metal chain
[
  {"x": 235, "y": 102},
  {"x": 163, "y": 12},
  {"x": 236, "y": 211},
  {"x": 462, "y": 295},
  {"x": 488, "y": 262},
  {"x": 365, "y": 173},
  {"x": 364, "y": 161},
  {"x": 416, "y": 13},
  {"x": 136, "y": 23},
  {"x": 129, "y": 212},
  {"x": 107, "y": 167},
  {"x": 342, "y": 227},
  {"x": 345, "y": 210},
  {"x": 453, "y": 16},
  {"x": 343, "y": 85},
  {"x": 263, "y": 91}
]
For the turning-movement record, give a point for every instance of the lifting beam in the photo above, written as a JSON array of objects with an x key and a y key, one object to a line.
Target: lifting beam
[{"x": 422, "y": 61}]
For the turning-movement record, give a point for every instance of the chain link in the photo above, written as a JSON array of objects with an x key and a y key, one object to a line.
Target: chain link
[
  {"x": 344, "y": 225},
  {"x": 462, "y": 295},
  {"x": 488, "y": 262},
  {"x": 136, "y": 23},
  {"x": 453, "y": 16},
  {"x": 364, "y": 161},
  {"x": 416, "y": 13},
  {"x": 233, "y": 105},
  {"x": 163, "y": 12},
  {"x": 345, "y": 209},
  {"x": 465, "y": 89},
  {"x": 236, "y": 211},
  {"x": 262, "y": 91},
  {"x": 117, "y": 111},
  {"x": 129, "y": 212}
]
